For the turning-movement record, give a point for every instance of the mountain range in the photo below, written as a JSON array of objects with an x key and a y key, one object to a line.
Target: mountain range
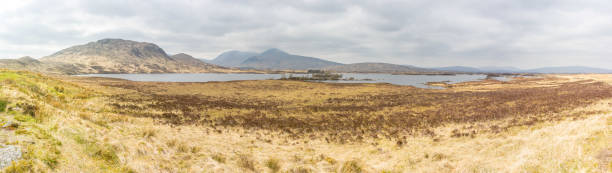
[
  {"x": 493, "y": 69},
  {"x": 271, "y": 59},
  {"x": 374, "y": 67},
  {"x": 276, "y": 59},
  {"x": 125, "y": 56},
  {"x": 113, "y": 56},
  {"x": 232, "y": 58},
  {"x": 28, "y": 63}
]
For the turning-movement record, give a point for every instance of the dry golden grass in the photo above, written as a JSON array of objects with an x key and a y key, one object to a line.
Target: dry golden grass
[{"x": 107, "y": 125}]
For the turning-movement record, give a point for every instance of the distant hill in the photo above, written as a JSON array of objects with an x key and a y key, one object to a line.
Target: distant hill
[
  {"x": 28, "y": 63},
  {"x": 279, "y": 60},
  {"x": 377, "y": 68},
  {"x": 458, "y": 69},
  {"x": 500, "y": 69},
  {"x": 569, "y": 69},
  {"x": 20, "y": 64},
  {"x": 232, "y": 58},
  {"x": 188, "y": 61},
  {"x": 206, "y": 61},
  {"x": 495, "y": 69},
  {"x": 125, "y": 56}
]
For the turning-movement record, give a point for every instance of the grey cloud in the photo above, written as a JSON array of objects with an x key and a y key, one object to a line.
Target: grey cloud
[{"x": 523, "y": 33}]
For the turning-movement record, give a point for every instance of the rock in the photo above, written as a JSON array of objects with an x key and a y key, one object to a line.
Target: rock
[{"x": 8, "y": 154}]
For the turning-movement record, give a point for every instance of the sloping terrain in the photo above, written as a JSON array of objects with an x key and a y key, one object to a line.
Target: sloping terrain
[
  {"x": 188, "y": 61},
  {"x": 549, "y": 70},
  {"x": 458, "y": 69},
  {"x": 124, "y": 56},
  {"x": 377, "y": 68},
  {"x": 569, "y": 69},
  {"x": 232, "y": 58},
  {"x": 28, "y": 63},
  {"x": 276, "y": 59},
  {"x": 75, "y": 124},
  {"x": 21, "y": 63}
]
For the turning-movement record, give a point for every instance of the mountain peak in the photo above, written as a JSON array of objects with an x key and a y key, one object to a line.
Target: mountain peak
[
  {"x": 280, "y": 60},
  {"x": 232, "y": 58},
  {"x": 112, "y": 40},
  {"x": 27, "y": 58},
  {"x": 118, "y": 40},
  {"x": 126, "y": 56}
]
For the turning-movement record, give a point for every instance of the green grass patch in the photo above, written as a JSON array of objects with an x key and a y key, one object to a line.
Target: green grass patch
[
  {"x": 96, "y": 150},
  {"x": 22, "y": 132},
  {"x": 3, "y": 104},
  {"x": 24, "y": 118}
]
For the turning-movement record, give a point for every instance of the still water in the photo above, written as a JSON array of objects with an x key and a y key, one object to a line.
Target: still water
[{"x": 413, "y": 80}]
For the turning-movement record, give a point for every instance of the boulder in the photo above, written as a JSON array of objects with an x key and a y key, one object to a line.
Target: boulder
[{"x": 8, "y": 154}]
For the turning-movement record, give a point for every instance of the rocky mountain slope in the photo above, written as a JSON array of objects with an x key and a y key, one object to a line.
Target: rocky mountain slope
[{"x": 125, "y": 56}]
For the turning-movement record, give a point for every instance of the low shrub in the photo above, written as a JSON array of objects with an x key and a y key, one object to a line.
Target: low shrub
[
  {"x": 28, "y": 109},
  {"x": 245, "y": 161},
  {"x": 300, "y": 169},
  {"x": 352, "y": 166},
  {"x": 104, "y": 152},
  {"x": 273, "y": 164}
]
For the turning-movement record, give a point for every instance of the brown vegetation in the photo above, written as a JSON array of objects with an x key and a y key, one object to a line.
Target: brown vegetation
[{"x": 341, "y": 114}]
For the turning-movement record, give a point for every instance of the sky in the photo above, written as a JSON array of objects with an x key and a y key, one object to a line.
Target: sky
[{"x": 427, "y": 33}]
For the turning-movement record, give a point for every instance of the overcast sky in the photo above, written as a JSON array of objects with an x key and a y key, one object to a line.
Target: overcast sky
[{"x": 520, "y": 33}]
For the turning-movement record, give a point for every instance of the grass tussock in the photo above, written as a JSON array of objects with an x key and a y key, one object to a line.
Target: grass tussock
[
  {"x": 300, "y": 169},
  {"x": 273, "y": 164},
  {"x": 246, "y": 162},
  {"x": 352, "y": 166},
  {"x": 218, "y": 157}
]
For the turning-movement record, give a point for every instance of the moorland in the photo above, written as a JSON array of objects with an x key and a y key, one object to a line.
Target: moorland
[{"x": 548, "y": 123}]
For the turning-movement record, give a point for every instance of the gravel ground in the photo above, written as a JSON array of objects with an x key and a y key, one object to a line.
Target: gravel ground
[{"x": 8, "y": 153}]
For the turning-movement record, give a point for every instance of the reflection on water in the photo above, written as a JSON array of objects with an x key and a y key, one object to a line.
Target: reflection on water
[{"x": 413, "y": 80}]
